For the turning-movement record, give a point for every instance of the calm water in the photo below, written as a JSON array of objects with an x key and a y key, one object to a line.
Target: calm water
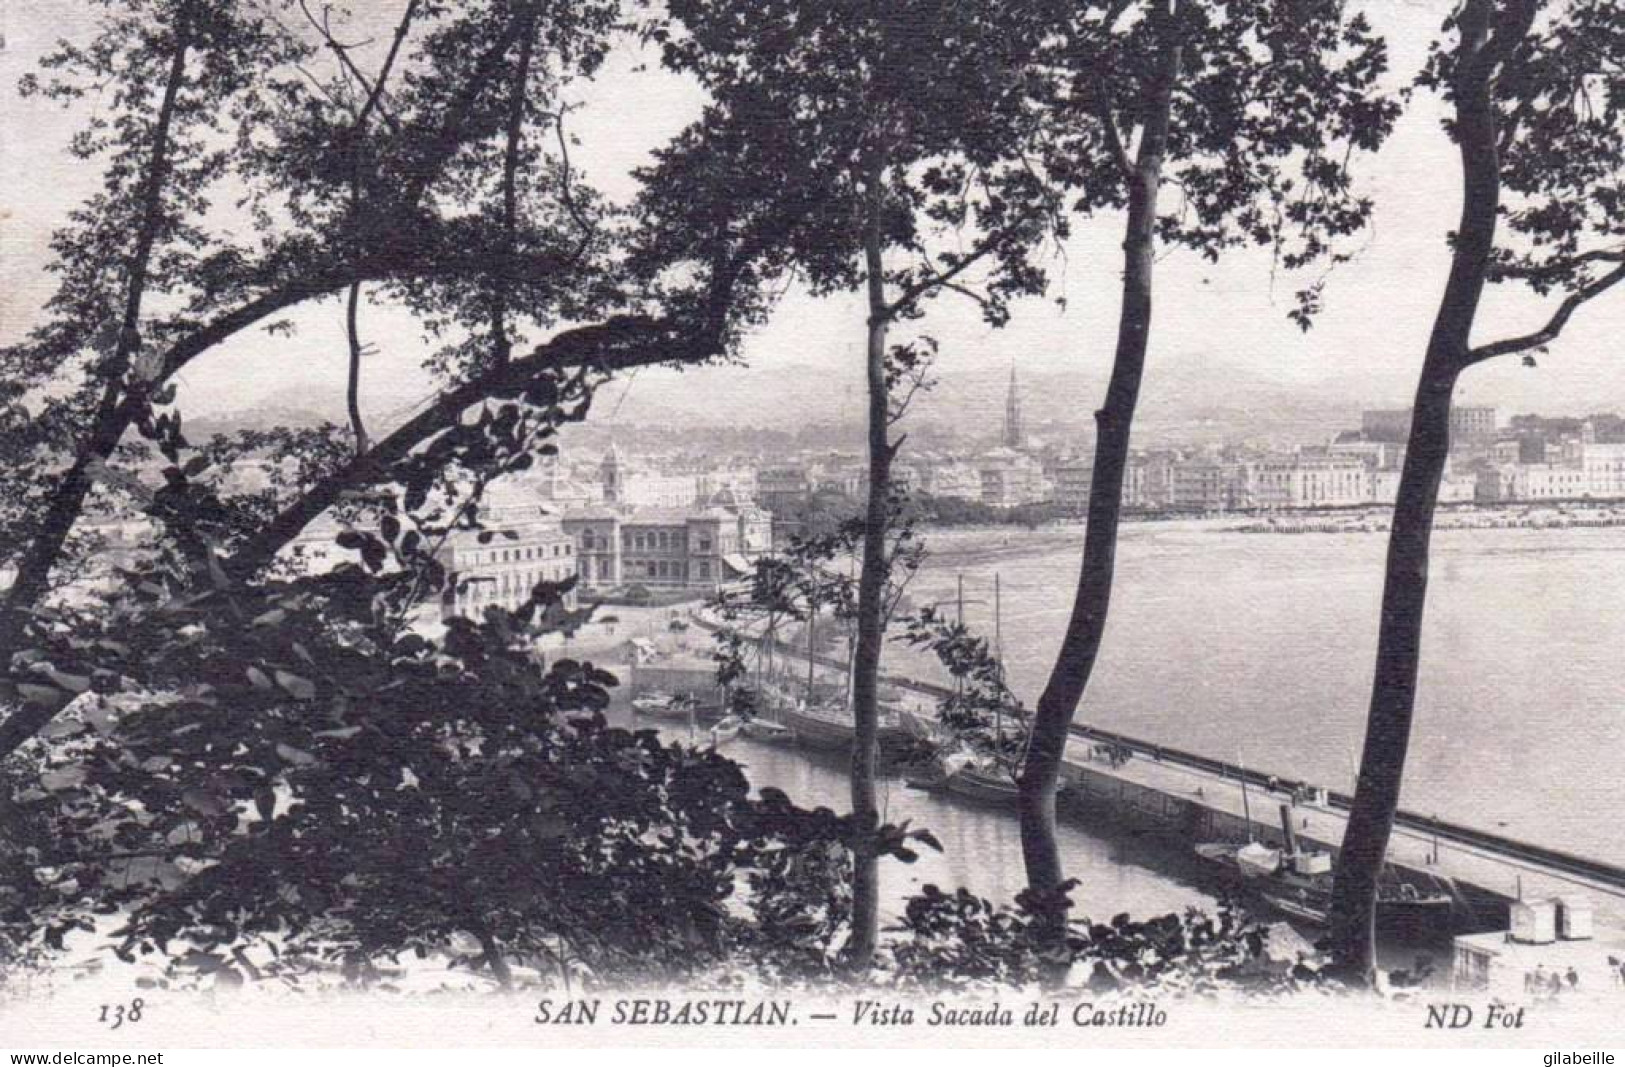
[{"x": 1259, "y": 648}]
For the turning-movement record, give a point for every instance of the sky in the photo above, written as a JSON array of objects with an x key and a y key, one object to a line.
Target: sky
[{"x": 1221, "y": 338}]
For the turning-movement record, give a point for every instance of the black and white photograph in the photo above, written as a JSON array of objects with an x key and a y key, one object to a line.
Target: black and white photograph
[{"x": 935, "y": 524}]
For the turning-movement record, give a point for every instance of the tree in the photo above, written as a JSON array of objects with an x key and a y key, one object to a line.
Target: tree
[
  {"x": 287, "y": 782},
  {"x": 351, "y": 201},
  {"x": 1251, "y": 112},
  {"x": 503, "y": 239},
  {"x": 885, "y": 126},
  {"x": 1536, "y": 91}
]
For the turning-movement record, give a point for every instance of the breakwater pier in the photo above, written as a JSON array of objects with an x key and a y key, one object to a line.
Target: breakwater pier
[
  {"x": 1114, "y": 780},
  {"x": 1205, "y": 799}
]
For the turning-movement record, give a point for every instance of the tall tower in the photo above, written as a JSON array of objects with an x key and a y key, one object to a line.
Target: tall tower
[
  {"x": 612, "y": 473},
  {"x": 1015, "y": 435}
]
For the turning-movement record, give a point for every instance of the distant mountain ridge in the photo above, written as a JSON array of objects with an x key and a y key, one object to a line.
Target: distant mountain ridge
[{"x": 1178, "y": 402}]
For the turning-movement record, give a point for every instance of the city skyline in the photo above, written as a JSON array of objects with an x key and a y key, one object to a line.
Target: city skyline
[{"x": 1223, "y": 339}]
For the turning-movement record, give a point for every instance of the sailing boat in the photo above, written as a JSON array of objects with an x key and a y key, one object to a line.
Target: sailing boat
[
  {"x": 771, "y": 699},
  {"x": 824, "y": 720},
  {"x": 988, "y": 778}
]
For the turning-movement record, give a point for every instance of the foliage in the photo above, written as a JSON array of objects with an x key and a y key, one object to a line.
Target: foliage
[
  {"x": 960, "y": 940},
  {"x": 982, "y": 713},
  {"x": 261, "y": 782},
  {"x": 1273, "y": 100}
]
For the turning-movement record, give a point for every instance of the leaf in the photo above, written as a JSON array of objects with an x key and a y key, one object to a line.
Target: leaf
[
  {"x": 259, "y": 678},
  {"x": 58, "y": 729},
  {"x": 45, "y": 695},
  {"x": 203, "y": 802},
  {"x": 296, "y": 756},
  {"x": 300, "y": 687},
  {"x": 63, "y": 778},
  {"x": 75, "y": 683}
]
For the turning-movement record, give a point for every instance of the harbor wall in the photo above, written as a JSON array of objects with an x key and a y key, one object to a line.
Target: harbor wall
[{"x": 1094, "y": 792}]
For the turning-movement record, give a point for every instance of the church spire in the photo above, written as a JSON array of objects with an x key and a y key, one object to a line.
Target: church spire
[{"x": 1015, "y": 434}]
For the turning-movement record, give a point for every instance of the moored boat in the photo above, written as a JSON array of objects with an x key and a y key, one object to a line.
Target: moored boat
[
  {"x": 662, "y": 706},
  {"x": 984, "y": 782},
  {"x": 725, "y": 730},
  {"x": 830, "y": 726},
  {"x": 759, "y": 729},
  {"x": 1298, "y": 882}
]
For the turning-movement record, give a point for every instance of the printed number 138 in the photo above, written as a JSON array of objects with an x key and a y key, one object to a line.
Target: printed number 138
[{"x": 116, "y": 1015}]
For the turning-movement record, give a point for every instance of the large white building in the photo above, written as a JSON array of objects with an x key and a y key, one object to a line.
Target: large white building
[
  {"x": 528, "y": 546},
  {"x": 667, "y": 548}
]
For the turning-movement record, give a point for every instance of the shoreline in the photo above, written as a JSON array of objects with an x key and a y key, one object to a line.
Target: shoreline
[{"x": 977, "y": 542}]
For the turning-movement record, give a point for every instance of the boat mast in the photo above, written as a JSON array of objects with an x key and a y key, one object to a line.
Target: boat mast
[
  {"x": 812, "y": 620},
  {"x": 959, "y": 680},
  {"x": 851, "y": 645},
  {"x": 1246, "y": 806},
  {"x": 998, "y": 669}
]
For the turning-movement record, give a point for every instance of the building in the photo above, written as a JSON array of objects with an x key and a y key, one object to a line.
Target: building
[
  {"x": 1604, "y": 467},
  {"x": 1376, "y": 455},
  {"x": 628, "y": 486},
  {"x": 849, "y": 481},
  {"x": 1207, "y": 485},
  {"x": 1312, "y": 481},
  {"x": 780, "y": 486},
  {"x": 528, "y": 545},
  {"x": 1072, "y": 480},
  {"x": 1010, "y": 479},
  {"x": 552, "y": 486},
  {"x": 740, "y": 481},
  {"x": 1148, "y": 481},
  {"x": 1551, "y": 946},
  {"x": 1542, "y": 481},
  {"x": 670, "y": 548},
  {"x": 1472, "y": 422},
  {"x": 1468, "y": 422}
]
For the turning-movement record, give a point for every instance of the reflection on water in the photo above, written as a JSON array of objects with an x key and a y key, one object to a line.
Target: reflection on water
[{"x": 981, "y": 848}]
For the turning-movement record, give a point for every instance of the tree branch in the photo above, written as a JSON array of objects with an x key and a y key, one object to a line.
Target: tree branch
[
  {"x": 618, "y": 344},
  {"x": 352, "y": 394},
  {"x": 1554, "y": 326},
  {"x": 1555, "y": 268},
  {"x": 939, "y": 279},
  {"x": 510, "y": 198},
  {"x": 1114, "y": 140}
]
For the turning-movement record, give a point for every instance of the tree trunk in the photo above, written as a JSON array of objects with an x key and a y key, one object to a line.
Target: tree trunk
[
  {"x": 491, "y": 953},
  {"x": 113, "y": 413},
  {"x": 1404, "y": 593},
  {"x": 1393, "y": 697},
  {"x": 871, "y": 623},
  {"x": 352, "y": 391},
  {"x": 117, "y": 412},
  {"x": 1114, "y": 421}
]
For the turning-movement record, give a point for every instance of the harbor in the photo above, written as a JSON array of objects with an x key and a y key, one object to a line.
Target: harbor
[{"x": 1175, "y": 803}]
